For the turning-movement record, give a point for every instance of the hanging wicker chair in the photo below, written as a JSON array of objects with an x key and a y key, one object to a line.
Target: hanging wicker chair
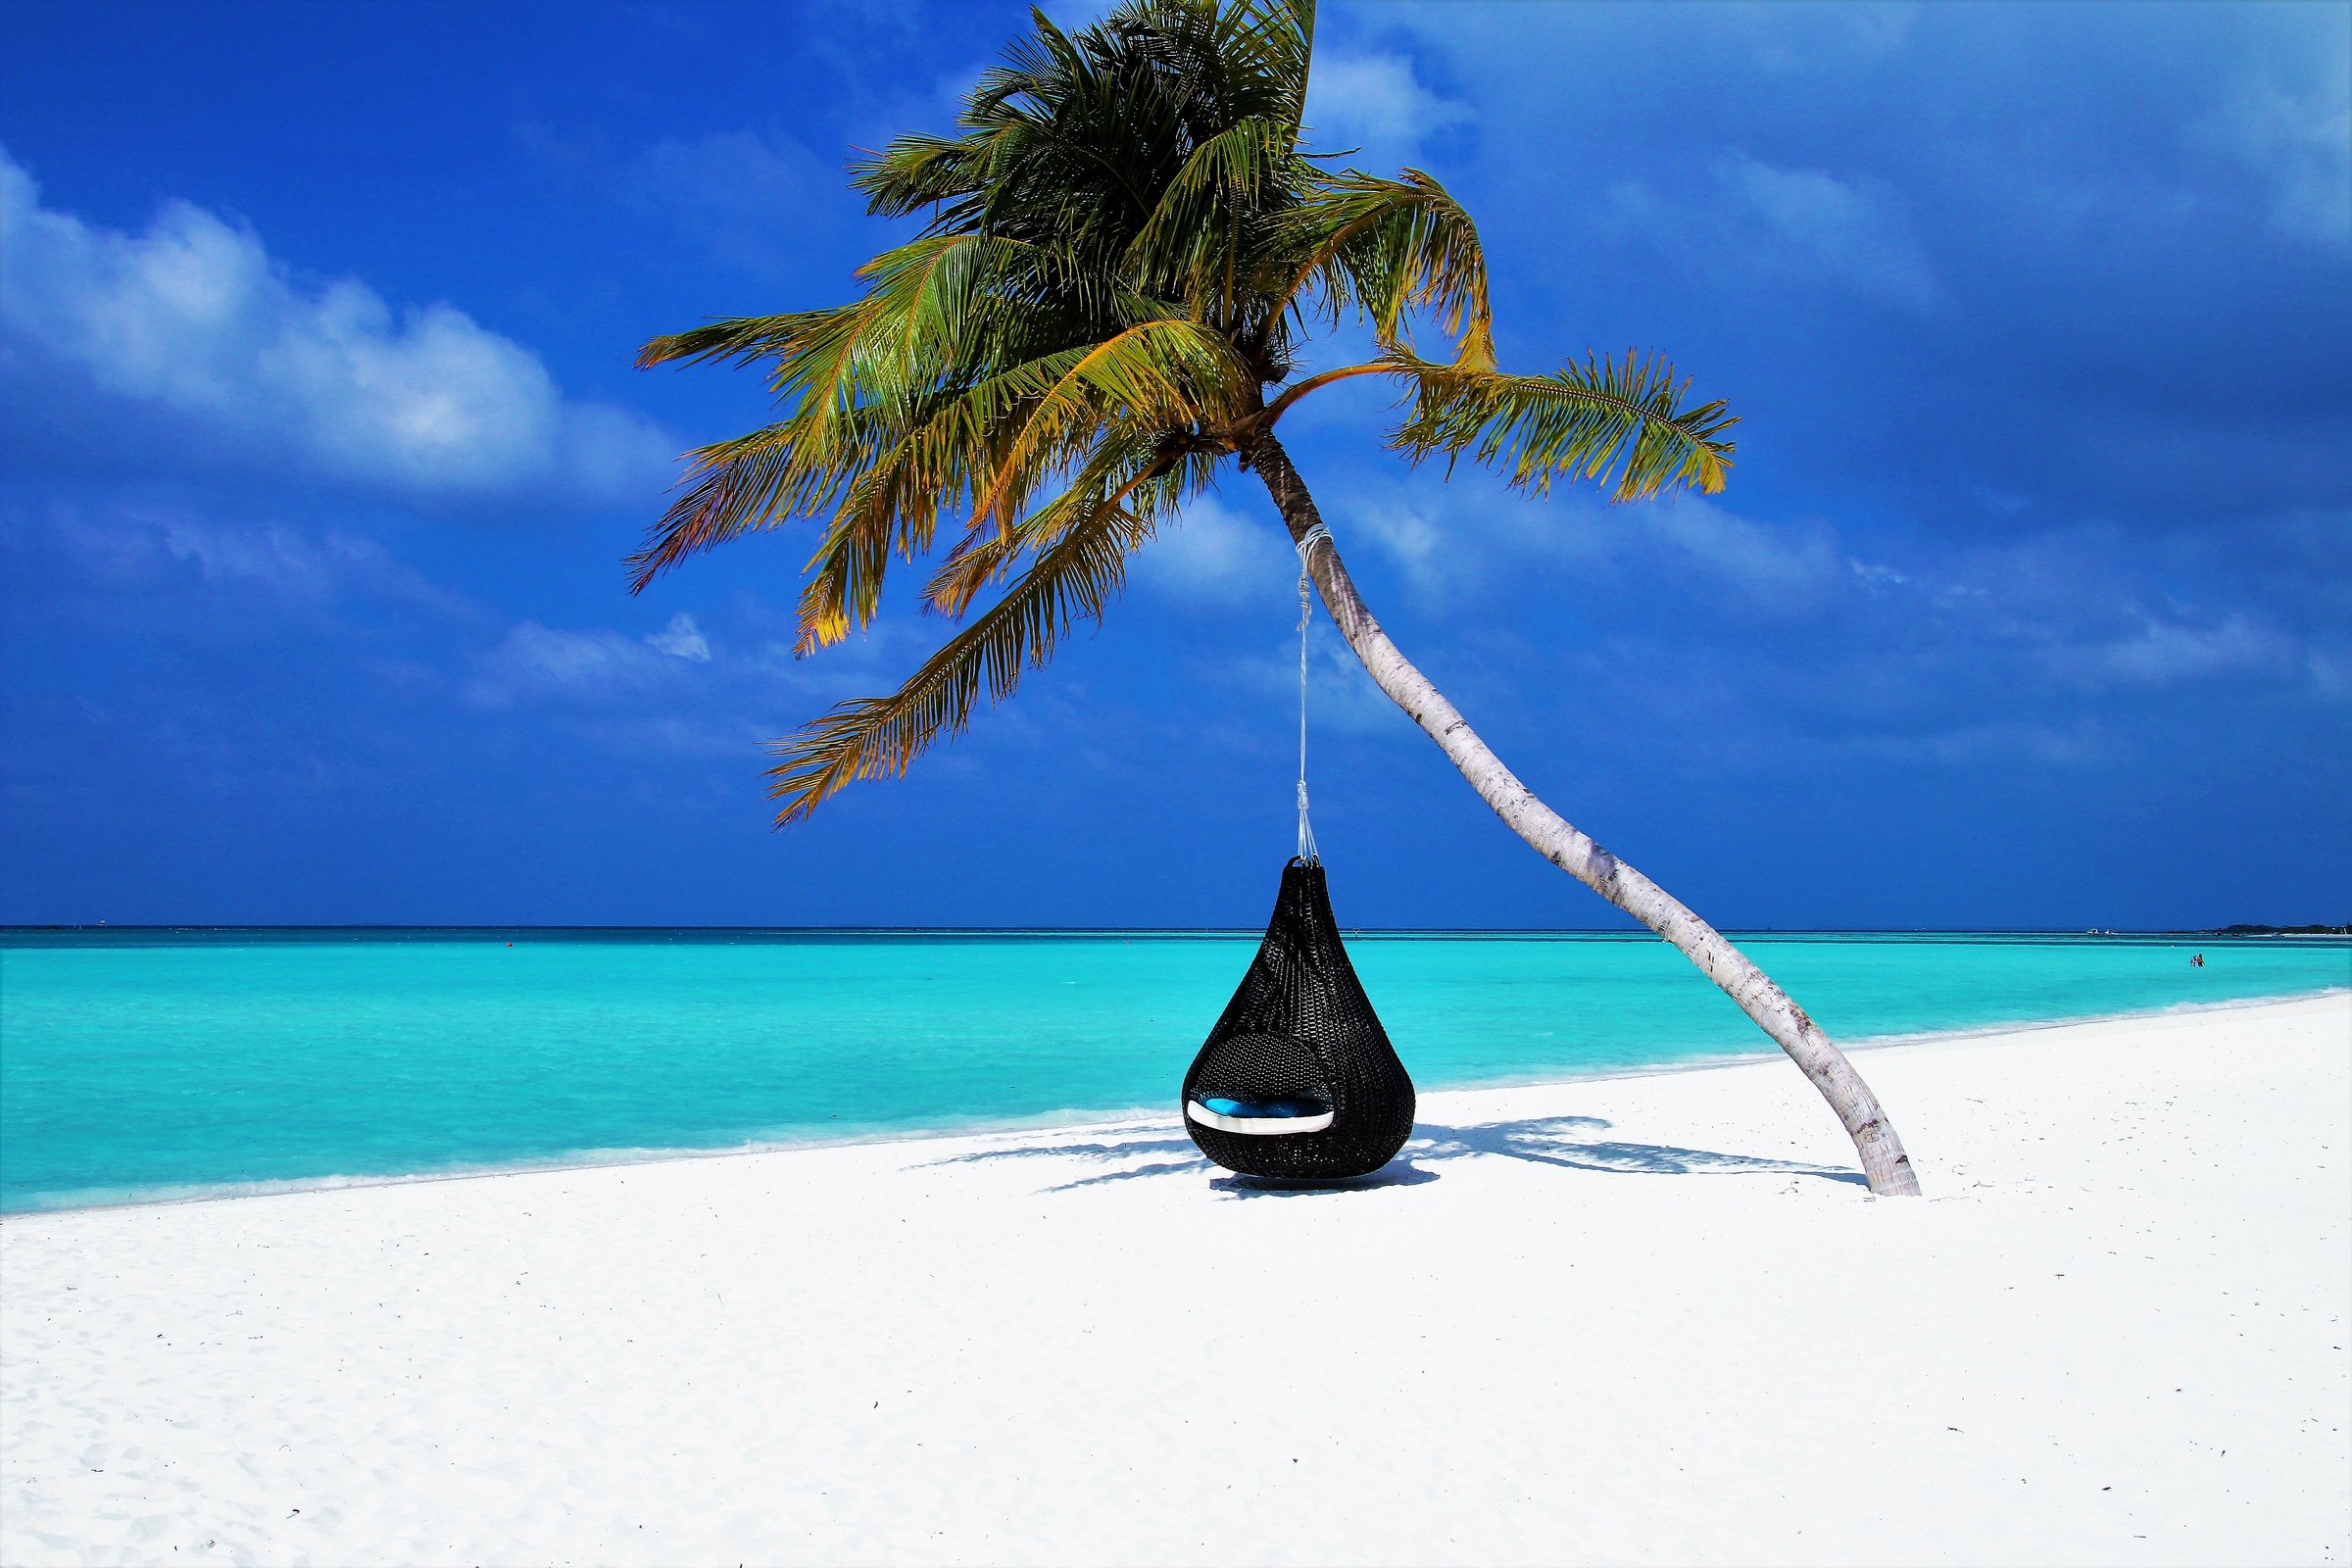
[{"x": 1298, "y": 1079}]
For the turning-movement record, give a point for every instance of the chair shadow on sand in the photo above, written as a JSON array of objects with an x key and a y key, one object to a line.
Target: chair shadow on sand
[{"x": 1566, "y": 1142}]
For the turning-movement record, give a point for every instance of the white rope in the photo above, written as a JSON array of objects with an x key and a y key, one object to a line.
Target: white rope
[{"x": 1307, "y": 613}]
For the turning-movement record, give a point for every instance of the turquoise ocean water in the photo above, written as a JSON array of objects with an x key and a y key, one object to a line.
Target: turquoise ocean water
[{"x": 149, "y": 1064}]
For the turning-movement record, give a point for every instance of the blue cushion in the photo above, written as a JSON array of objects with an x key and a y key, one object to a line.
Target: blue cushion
[{"x": 1298, "y": 1106}]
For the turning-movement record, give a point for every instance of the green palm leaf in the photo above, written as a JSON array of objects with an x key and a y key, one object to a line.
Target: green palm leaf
[
  {"x": 1389, "y": 246},
  {"x": 877, "y": 737},
  {"x": 1582, "y": 421}
]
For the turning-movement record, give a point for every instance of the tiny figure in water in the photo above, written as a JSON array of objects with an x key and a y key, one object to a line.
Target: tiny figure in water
[{"x": 2197, "y": 962}]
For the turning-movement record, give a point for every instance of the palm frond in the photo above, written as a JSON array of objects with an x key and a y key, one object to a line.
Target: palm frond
[
  {"x": 942, "y": 457},
  {"x": 1190, "y": 239},
  {"x": 753, "y": 482},
  {"x": 878, "y": 737},
  {"x": 1388, "y": 246},
  {"x": 898, "y": 399},
  {"x": 1125, "y": 462},
  {"x": 1156, "y": 375},
  {"x": 739, "y": 340},
  {"x": 1582, "y": 421},
  {"x": 1273, "y": 41}
]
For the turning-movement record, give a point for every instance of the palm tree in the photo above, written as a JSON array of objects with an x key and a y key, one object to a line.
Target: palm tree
[{"x": 1124, "y": 249}]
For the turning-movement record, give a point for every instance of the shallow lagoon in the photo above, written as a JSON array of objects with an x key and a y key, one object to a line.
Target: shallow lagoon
[{"x": 143, "y": 1065}]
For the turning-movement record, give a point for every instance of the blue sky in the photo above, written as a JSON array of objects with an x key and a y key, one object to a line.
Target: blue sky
[{"x": 2030, "y": 602}]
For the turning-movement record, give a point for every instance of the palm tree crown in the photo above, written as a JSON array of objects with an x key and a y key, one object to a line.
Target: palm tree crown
[{"x": 1124, "y": 249}]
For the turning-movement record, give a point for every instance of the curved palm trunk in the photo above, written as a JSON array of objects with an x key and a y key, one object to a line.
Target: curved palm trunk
[{"x": 1884, "y": 1163}]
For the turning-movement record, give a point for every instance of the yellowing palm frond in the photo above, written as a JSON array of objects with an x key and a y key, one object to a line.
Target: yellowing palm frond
[
  {"x": 1123, "y": 463},
  {"x": 877, "y": 737},
  {"x": 754, "y": 481},
  {"x": 1156, "y": 375},
  {"x": 1582, "y": 421},
  {"x": 1389, "y": 246}
]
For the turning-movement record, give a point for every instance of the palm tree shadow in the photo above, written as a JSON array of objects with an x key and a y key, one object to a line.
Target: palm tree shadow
[{"x": 1563, "y": 1142}]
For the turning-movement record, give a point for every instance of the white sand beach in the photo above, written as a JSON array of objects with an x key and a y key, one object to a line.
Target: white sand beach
[{"x": 1644, "y": 1320}]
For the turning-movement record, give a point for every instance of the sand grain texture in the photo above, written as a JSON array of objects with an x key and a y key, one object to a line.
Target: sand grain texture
[{"x": 1641, "y": 1320}]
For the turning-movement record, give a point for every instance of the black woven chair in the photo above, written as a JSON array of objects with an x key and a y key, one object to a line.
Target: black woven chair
[{"x": 1298, "y": 1079}]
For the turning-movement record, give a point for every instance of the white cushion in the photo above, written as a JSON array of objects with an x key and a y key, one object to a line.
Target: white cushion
[{"x": 1255, "y": 1126}]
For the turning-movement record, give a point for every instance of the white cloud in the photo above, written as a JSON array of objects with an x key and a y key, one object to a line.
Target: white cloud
[
  {"x": 1453, "y": 545},
  {"x": 671, "y": 690},
  {"x": 1442, "y": 549},
  {"x": 1793, "y": 226},
  {"x": 1340, "y": 697},
  {"x": 593, "y": 669},
  {"x": 1406, "y": 535},
  {"x": 2170, "y": 652},
  {"x": 1853, "y": 230},
  {"x": 681, "y": 639},
  {"x": 1781, "y": 566},
  {"x": 1340, "y": 692},
  {"x": 251, "y": 571},
  {"x": 1821, "y": 39},
  {"x": 1214, "y": 556},
  {"x": 194, "y": 318},
  {"x": 2300, "y": 143},
  {"x": 300, "y": 568},
  {"x": 2330, "y": 666},
  {"x": 1374, "y": 101}
]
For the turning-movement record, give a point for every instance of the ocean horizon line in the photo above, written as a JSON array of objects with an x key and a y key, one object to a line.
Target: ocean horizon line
[{"x": 296, "y": 932}]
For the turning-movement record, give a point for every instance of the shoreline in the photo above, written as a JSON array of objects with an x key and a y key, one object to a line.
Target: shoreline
[{"x": 1091, "y": 1119}]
